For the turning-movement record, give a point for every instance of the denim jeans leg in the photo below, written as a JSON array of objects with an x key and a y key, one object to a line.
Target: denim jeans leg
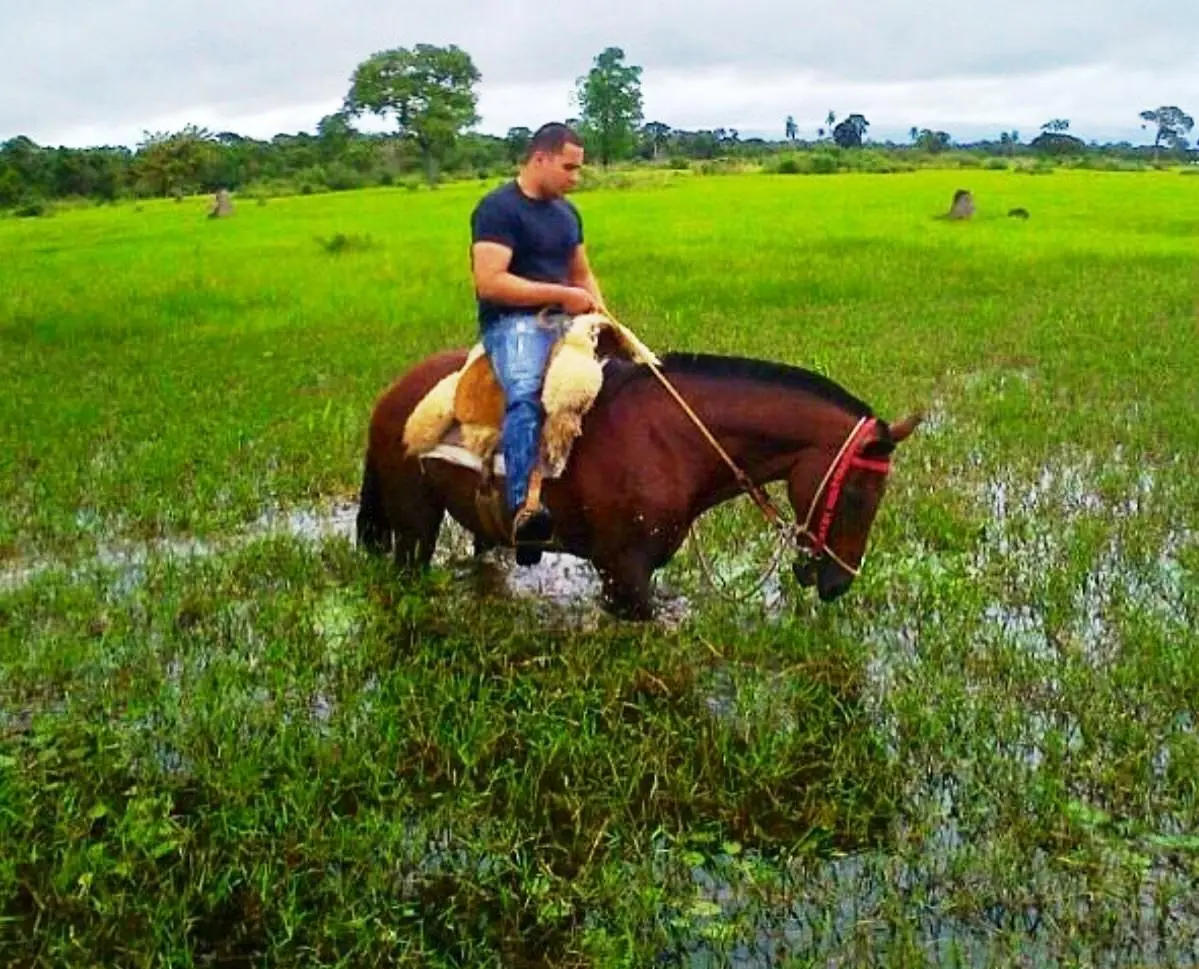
[{"x": 519, "y": 346}]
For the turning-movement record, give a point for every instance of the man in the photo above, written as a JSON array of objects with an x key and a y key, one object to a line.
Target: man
[{"x": 527, "y": 256}]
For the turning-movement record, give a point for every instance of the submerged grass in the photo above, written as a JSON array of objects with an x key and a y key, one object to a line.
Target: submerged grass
[
  {"x": 285, "y": 752},
  {"x": 228, "y": 743}
]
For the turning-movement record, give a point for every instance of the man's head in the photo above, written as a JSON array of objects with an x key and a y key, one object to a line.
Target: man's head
[{"x": 553, "y": 161}]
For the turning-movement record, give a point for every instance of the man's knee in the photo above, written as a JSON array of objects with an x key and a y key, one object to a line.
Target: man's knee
[
  {"x": 524, "y": 410},
  {"x": 524, "y": 393}
]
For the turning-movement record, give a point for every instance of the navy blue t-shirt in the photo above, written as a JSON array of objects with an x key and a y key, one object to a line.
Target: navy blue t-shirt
[{"x": 542, "y": 235}]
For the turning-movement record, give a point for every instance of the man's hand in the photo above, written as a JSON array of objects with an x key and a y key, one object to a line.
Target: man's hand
[
  {"x": 493, "y": 281},
  {"x": 576, "y": 300}
]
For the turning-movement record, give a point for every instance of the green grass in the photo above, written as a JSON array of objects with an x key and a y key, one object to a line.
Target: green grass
[{"x": 280, "y": 753}]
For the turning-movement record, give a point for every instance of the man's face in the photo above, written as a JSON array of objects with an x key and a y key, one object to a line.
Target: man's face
[{"x": 559, "y": 172}]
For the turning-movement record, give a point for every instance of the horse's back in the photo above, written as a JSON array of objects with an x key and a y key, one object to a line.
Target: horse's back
[{"x": 393, "y": 406}]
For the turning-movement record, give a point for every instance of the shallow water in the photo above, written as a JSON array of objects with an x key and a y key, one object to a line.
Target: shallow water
[
  {"x": 844, "y": 910},
  {"x": 839, "y": 909}
]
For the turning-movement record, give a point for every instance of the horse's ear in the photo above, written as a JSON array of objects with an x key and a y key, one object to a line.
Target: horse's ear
[{"x": 900, "y": 430}]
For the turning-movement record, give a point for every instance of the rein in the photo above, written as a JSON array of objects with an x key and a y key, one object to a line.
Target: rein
[{"x": 848, "y": 456}]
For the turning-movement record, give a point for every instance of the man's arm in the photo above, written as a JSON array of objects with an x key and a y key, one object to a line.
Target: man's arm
[
  {"x": 582, "y": 276},
  {"x": 490, "y": 262}
]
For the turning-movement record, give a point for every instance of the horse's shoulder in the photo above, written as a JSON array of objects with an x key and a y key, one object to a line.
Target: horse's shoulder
[{"x": 619, "y": 375}]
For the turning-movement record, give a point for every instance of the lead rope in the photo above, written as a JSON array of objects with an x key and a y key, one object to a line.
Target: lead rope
[
  {"x": 784, "y": 533},
  {"x": 782, "y": 543},
  {"x": 760, "y": 499}
]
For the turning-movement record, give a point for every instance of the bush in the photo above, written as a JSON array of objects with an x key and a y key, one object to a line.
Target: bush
[
  {"x": 1042, "y": 167},
  {"x": 679, "y": 164},
  {"x": 341, "y": 178},
  {"x": 824, "y": 164},
  {"x": 869, "y": 161},
  {"x": 789, "y": 166},
  {"x": 719, "y": 166},
  {"x": 32, "y": 208},
  {"x": 346, "y": 243}
]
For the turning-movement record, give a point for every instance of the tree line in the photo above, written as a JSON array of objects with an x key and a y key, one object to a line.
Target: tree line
[{"x": 429, "y": 96}]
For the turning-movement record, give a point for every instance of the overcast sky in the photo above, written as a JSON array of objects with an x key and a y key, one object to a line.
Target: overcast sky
[{"x": 85, "y": 72}]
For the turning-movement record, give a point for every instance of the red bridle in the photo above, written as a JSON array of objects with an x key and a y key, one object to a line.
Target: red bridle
[{"x": 848, "y": 457}]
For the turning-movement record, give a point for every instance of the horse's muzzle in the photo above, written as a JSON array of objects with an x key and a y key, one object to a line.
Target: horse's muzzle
[
  {"x": 804, "y": 570},
  {"x": 832, "y": 583}
]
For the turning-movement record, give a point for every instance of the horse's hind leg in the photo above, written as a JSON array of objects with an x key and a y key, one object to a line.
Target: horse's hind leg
[
  {"x": 416, "y": 515},
  {"x": 373, "y": 526}
]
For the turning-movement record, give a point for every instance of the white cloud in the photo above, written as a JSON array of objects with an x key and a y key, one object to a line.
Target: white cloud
[{"x": 75, "y": 72}]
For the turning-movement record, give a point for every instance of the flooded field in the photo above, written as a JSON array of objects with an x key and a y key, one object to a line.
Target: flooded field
[{"x": 229, "y": 738}]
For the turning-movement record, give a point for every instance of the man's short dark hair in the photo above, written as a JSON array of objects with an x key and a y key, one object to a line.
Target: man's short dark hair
[{"x": 552, "y": 138}]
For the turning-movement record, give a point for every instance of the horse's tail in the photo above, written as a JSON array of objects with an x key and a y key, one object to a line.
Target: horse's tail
[{"x": 374, "y": 530}]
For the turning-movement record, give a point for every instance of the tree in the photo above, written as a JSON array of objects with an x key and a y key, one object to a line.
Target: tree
[
  {"x": 334, "y": 133},
  {"x": 914, "y": 133},
  {"x": 430, "y": 91},
  {"x": 517, "y": 142},
  {"x": 849, "y": 133},
  {"x": 23, "y": 154},
  {"x": 792, "y": 129},
  {"x": 174, "y": 163},
  {"x": 609, "y": 98},
  {"x": 1057, "y": 143},
  {"x": 727, "y": 139},
  {"x": 932, "y": 141},
  {"x": 1056, "y": 125},
  {"x": 657, "y": 136},
  {"x": 11, "y": 187},
  {"x": 1173, "y": 124}
]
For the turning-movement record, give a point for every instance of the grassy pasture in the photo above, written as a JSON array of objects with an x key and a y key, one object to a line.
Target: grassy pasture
[{"x": 276, "y": 752}]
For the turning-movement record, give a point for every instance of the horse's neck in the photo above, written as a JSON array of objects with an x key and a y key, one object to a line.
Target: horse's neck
[{"x": 764, "y": 429}]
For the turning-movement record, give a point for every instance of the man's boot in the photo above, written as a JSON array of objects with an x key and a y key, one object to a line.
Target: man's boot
[{"x": 532, "y": 526}]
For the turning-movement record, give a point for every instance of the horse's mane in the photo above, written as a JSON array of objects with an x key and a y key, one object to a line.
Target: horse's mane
[{"x": 763, "y": 372}]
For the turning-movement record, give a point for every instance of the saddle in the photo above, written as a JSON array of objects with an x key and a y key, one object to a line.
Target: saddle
[{"x": 460, "y": 419}]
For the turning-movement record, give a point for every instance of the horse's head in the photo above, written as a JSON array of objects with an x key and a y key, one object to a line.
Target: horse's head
[{"x": 840, "y": 503}]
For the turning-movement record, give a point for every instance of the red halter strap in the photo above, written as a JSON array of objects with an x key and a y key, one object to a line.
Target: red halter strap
[{"x": 848, "y": 457}]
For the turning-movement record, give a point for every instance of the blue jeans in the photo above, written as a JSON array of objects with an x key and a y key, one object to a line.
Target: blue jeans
[{"x": 519, "y": 346}]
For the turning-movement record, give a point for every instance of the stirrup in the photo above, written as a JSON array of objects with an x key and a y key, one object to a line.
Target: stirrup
[
  {"x": 536, "y": 524},
  {"x": 540, "y": 526}
]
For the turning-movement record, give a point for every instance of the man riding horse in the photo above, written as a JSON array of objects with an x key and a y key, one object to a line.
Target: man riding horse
[{"x": 528, "y": 260}]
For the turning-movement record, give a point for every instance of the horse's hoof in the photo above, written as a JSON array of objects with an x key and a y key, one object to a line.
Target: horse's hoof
[{"x": 527, "y": 555}]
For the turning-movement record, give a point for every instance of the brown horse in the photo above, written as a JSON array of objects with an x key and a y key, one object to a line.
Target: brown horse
[{"x": 641, "y": 472}]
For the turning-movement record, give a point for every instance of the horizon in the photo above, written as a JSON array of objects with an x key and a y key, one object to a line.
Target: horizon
[
  {"x": 964, "y": 134},
  {"x": 76, "y": 77}
]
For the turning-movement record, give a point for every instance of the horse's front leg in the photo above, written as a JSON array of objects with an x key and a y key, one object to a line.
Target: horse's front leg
[{"x": 627, "y": 584}]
